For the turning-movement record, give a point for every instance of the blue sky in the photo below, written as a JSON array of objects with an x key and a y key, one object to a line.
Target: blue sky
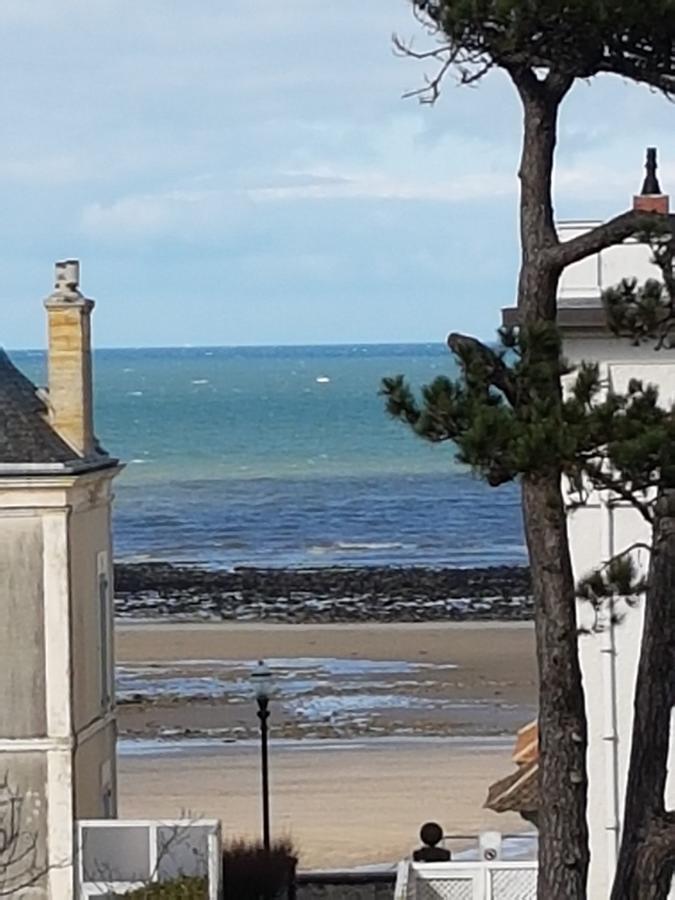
[{"x": 245, "y": 171}]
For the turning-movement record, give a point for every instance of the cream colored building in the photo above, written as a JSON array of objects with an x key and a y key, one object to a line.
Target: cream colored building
[{"x": 57, "y": 716}]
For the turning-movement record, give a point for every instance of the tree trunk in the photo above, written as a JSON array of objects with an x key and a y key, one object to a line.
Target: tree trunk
[
  {"x": 563, "y": 830},
  {"x": 647, "y": 855}
]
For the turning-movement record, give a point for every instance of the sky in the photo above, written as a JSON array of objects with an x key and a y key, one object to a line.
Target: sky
[{"x": 247, "y": 172}]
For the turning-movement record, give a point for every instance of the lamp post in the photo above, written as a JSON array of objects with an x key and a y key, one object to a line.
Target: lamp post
[{"x": 261, "y": 678}]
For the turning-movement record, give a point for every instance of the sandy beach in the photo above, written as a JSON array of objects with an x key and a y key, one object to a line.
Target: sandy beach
[
  {"x": 347, "y": 804},
  {"x": 347, "y": 795}
]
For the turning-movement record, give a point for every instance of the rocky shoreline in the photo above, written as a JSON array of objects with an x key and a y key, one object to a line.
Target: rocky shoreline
[{"x": 158, "y": 590}]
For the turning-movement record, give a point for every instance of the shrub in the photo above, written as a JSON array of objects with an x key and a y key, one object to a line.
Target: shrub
[
  {"x": 251, "y": 873},
  {"x": 178, "y": 889}
]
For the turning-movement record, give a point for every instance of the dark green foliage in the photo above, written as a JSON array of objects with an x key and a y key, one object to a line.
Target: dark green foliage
[
  {"x": 503, "y": 417},
  {"x": 251, "y": 873},
  {"x": 179, "y": 889},
  {"x": 639, "y": 312},
  {"x": 646, "y": 312},
  {"x": 618, "y": 580},
  {"x": 574, "y": 38},
  {"x": 508, "y": 418}
]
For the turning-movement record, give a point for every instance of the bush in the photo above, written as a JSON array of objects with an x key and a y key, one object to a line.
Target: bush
[
  {"x": 251, "y": 873},
  {"x": 178, "y": 889}
]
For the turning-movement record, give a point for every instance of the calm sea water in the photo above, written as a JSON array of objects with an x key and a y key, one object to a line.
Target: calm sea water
[{"x": 283, "y": 456}]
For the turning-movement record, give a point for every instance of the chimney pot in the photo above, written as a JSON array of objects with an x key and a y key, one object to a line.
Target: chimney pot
[
  {"x": 651, "y": 199},
  {"x": 67, "y": 274}
]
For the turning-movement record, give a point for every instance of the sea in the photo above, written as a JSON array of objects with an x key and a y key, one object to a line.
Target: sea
[{"x": 285, "y": 457}]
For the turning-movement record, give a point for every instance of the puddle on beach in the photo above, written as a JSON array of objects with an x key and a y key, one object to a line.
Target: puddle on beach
[
  {"x": 312, "y": 697},
  {"x": 309, "y": 689}
]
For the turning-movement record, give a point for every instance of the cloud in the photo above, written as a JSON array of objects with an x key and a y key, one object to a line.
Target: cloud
[
  {"x": 269, "y": 142},
  {"x": 381, "y": 186},
  {"x": 183, "y": 213}
]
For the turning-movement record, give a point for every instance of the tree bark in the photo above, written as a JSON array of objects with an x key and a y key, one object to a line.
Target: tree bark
[
  {"x": 647, "y": 854},
  {"x": 563, "y": 830}
]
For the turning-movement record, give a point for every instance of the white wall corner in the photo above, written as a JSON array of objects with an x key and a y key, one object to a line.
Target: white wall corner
[{"x": 58, "y": 659}]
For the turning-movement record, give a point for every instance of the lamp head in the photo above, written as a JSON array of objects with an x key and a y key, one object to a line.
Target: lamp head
[{"x": 261, "y": 678}]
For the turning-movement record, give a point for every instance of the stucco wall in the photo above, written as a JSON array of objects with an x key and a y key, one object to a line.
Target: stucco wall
[
  {"x": 88, "y": 532},
  {"x": 94, "y": 765},
  {"x": 23, "y": 707},
  {"x": 23, "y": 812}
]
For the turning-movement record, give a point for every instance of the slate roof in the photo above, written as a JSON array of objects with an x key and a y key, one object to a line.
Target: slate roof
[{"x": 25, "y": 435}]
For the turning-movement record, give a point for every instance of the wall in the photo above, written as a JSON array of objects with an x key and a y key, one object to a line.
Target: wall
[
  {"x": 345, "y": 887},
  {"x": 94, "y": 766},
  {"x": 52, "y": 530},
  {"x": 23, "y": 707},
  {"x": 88, "y": 537},
  {"x": 609, "y": 658},
  {"x": 23, "y": 798},
  {"x": 582, "y": 283}
]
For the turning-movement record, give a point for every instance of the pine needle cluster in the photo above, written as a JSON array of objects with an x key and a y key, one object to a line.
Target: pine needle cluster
[{"x": 507, "y": 416}]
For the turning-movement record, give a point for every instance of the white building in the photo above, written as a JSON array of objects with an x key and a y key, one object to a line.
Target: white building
[
  {"x": 57, "y": 718},
  {"x": 601, "y": 529}
]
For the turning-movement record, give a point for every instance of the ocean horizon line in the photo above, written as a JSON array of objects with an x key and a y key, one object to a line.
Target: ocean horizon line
[{"x": 261, "y": 346}]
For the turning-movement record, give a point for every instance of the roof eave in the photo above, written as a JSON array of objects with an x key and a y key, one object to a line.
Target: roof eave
[{"x": 69, "y": 467}]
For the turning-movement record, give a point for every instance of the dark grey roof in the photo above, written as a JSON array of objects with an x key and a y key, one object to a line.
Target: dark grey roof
[{"x": 25, "y": 434}]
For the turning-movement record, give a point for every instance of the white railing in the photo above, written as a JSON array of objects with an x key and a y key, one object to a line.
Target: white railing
[
  {"x": 118, "y": 855},
  {"x": 498, "y": 880}
]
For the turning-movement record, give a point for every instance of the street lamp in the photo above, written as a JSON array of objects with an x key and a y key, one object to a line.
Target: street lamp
[{"x": 261, "y": 678}]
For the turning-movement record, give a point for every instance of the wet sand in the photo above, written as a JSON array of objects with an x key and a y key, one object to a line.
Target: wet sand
[
  {"x": 346, "y": 801},
  {"x": 333, "y": 681}
]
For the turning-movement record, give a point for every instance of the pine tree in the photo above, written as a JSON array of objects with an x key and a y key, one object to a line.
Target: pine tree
[
  {"x": 504, "y": 424},
  {"x": 544, "y": 46}
]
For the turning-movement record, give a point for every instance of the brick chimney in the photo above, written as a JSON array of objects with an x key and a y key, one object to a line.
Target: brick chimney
[
  {"x": 69, "y": 360},
  {"x": 651, "y": 199}
]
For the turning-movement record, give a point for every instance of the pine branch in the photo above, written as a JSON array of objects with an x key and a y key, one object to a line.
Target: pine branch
[
  {"x": 613, "y": 232},
  {"x": 618, "y": 487},
  {"x": 498, "y": 373}
]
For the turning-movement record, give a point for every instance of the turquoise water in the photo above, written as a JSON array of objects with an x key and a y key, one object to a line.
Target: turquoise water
[{"x": 284, "y": 456}]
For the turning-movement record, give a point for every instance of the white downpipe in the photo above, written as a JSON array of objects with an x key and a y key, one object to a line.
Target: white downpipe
[{"x": 610, "y": 730}]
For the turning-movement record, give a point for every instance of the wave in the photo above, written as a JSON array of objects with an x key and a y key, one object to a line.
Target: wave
[{"x": 357, "y": 546}]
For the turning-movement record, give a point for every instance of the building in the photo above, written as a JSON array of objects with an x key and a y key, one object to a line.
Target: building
[
  {"x": 57, "y": 717},
  {"x": 598, "y": 531},
  {"x": 604, "y": 528}
]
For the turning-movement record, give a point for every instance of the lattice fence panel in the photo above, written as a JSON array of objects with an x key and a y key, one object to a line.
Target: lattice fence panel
[
  {"x": 444, "y": 889},
  {"x": 513, "y": 884}
]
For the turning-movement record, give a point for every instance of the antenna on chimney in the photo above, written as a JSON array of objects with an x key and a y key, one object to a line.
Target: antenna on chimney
[{"x": 651, "y": 183}]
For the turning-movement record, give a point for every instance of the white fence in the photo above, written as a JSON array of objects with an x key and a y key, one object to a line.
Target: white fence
[
  {"x": 118, "y": 855},
  {"x": 499, "y": 880}
]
